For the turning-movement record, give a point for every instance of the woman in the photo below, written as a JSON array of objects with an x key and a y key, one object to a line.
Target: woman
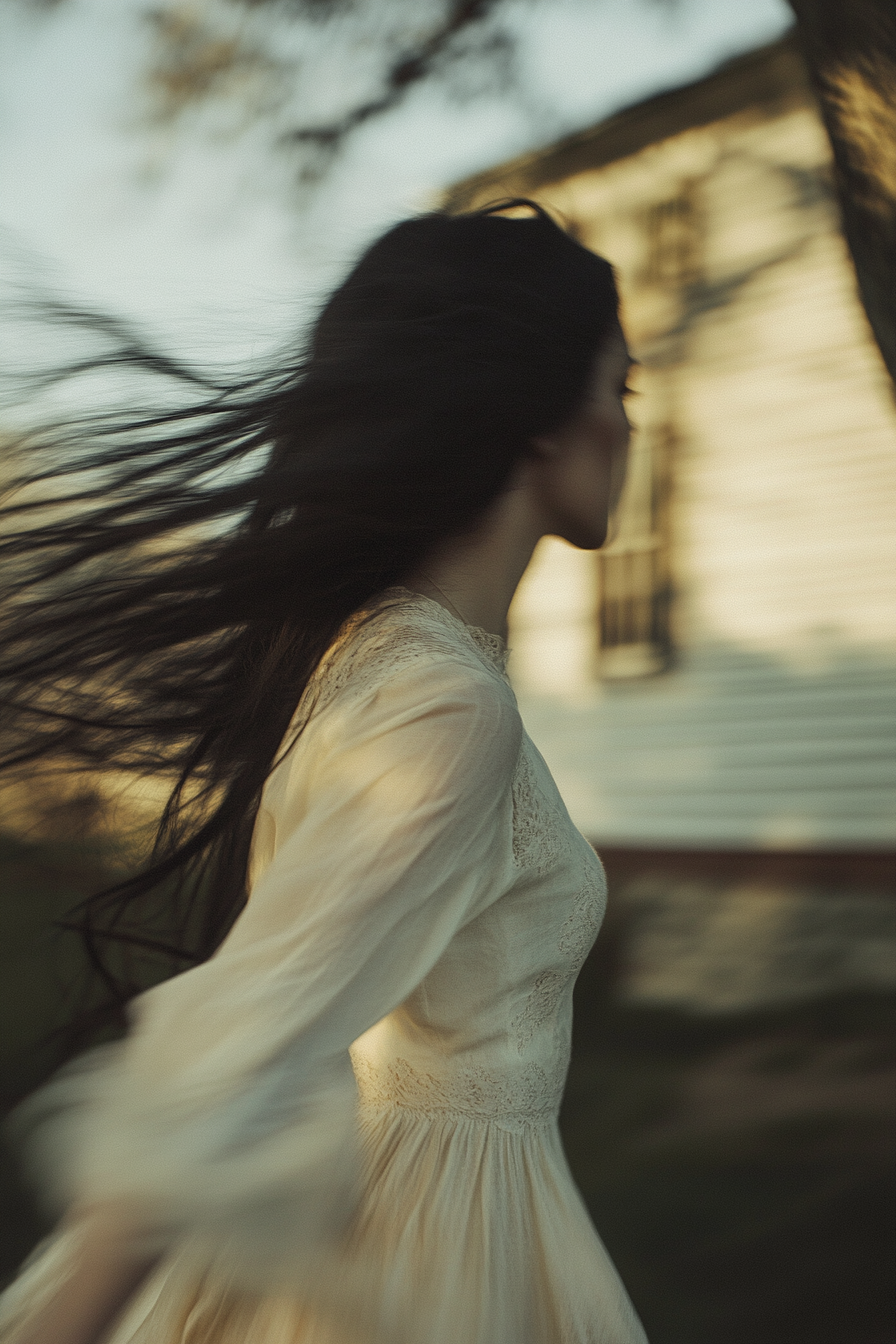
[{"x": 340, "y": 1124}]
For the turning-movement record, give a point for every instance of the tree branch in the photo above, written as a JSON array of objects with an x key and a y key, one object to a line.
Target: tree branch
[
  {"x": 850, "y": 50},
  {"x": 409, "y": 68}
]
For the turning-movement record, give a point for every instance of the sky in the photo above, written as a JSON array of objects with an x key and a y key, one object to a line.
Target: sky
[{"x": 196, "y": 231}]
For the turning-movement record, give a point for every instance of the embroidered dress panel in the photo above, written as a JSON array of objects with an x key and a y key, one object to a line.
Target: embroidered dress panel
[{"x": 343, "y": 1127}]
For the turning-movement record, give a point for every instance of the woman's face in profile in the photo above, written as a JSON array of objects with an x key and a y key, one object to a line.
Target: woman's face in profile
[{"x": 579, "y": 469}]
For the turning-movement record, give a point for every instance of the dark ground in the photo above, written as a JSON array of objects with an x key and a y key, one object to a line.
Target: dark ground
[
  {"x": 741, "y": 1172},
  {"x": 740, "y": 1169}
]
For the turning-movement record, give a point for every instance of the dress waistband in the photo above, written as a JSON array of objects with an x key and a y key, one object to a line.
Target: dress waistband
[{"x": 513, "y": 1098}]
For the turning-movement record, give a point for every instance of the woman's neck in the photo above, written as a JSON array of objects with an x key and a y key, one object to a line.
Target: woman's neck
[{"x": 475, "y": 576}]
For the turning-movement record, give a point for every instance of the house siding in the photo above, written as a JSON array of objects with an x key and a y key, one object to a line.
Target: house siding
[{"x": 775, "y": 723}]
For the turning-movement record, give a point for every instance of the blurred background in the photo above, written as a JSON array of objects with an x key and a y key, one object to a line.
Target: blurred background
[{"x": 716, "y": 691}]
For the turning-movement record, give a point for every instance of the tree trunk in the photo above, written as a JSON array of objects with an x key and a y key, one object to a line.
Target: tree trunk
[{"x": 850, "y": 49}]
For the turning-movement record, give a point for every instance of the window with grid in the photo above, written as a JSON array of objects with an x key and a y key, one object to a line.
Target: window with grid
[
  {"x": 634, "y": 578},
  {"x": 634, "y": 569}
]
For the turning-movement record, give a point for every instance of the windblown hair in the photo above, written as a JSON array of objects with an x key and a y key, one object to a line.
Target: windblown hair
[{"x": 172, "y": 578}]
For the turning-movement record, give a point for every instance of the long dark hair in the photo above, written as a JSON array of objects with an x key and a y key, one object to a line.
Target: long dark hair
[{"x": 173, "y": 577}]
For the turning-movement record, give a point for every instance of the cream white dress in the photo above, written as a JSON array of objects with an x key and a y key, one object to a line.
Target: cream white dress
[{"x": 343, "y": 1127}]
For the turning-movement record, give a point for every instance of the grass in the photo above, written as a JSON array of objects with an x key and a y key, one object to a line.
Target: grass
[{"x": 769, "y": 1223}]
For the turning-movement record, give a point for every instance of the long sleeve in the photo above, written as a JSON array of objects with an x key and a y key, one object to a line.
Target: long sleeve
[{"x": 229, "y": 1111}]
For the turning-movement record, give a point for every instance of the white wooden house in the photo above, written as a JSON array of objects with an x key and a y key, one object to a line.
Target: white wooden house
[{"x": 719, "y": 684}]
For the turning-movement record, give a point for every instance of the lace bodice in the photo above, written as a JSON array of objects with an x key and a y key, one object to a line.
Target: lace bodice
[{"x": 545, "y": 923}]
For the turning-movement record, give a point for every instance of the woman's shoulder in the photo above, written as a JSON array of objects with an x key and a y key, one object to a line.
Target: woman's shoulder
[
  {"x": 405, "y": 640},
  {"x": 402, "y": 667}
]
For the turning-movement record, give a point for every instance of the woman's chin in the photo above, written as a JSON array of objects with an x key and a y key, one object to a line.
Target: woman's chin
[{"x": 584, "y": 536}]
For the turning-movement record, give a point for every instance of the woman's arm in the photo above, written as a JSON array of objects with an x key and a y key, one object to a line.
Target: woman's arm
[
  {"x": 230, "y": 1109},
  {"x": 109, "y": 1262}
]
